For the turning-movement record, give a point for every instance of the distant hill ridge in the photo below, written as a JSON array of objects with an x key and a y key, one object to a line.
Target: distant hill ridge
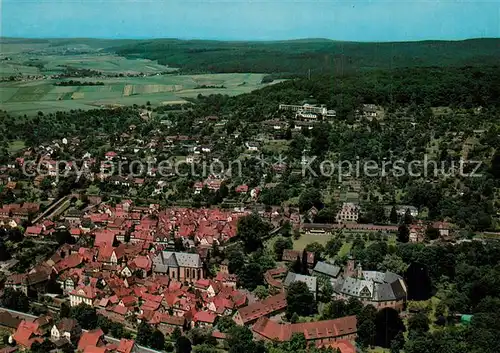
[{"x": 298, "y": 57}]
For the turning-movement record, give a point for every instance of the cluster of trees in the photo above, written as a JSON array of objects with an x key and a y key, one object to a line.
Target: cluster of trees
[
  {"x": 79, "y": 83},
  {"x": 88, "y": 319},
  {"x": 308, "y": 57}
]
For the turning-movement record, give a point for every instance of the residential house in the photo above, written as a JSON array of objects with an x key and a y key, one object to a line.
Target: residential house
[
  {"x": 348, "y": 213},
  {"x": 66, "y": 329},
  {"x": 204, "y": 319},
  {"x": 83, "y": 294},
  {"x": 126, "y": 346},
  {"x": 26, "y": 334},
  {"x": 8, "y": 322},
  {"x": 92, "y": 338}
]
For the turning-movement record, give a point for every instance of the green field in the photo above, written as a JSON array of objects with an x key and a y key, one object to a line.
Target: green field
[
  {"x": 137, "y": 80},
  {"x": 43, "y": 95}
]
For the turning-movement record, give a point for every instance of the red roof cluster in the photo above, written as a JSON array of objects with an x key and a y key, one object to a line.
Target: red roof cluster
[{"x": 313, "y": 331}]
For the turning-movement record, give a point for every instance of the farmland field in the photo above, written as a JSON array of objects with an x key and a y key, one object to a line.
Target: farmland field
[
  {"x": 127, "y": 81},
  {"x": 43, "y": 95}
]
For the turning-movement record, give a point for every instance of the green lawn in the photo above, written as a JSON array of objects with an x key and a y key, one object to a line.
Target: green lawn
[
  {"x": 345, "y": 249},
  {"x": 16, "y": 146},
  {"x": 305, "y": 239}
]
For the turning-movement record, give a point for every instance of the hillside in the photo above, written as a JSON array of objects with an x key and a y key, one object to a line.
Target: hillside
[{"x": 320, "y": 56}]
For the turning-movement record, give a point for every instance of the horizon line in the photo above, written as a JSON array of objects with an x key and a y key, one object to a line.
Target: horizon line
[{"x": 248, "y": 40}]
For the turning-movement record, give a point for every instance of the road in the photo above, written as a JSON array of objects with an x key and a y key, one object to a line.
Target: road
[
  {"x": 24, "y": 316},
  {"x": 56, "y": 206}
]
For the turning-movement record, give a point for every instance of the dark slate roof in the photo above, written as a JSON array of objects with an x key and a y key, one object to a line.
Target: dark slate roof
[
  {"x": 167, "y": 259},
  {"x": 295, "y": 277},
  {"x": 327, "y": 269}
]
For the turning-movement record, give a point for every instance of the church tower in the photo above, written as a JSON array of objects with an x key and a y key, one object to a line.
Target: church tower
[
  {"x": 359, "y": 271},
  {"x": 350, "y": 269}
]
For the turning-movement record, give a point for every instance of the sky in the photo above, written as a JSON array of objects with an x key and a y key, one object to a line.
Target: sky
[{"x": 354, "y": 20}]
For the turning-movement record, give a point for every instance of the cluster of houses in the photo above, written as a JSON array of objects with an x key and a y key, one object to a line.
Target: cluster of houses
[{"x": 64, "y": 334}]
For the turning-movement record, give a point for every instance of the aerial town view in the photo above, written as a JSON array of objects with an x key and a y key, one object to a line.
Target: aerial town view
[{"x": 249, "y": 176}]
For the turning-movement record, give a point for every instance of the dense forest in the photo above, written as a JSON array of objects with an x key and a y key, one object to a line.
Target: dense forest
[{"x": 315, "y": 56}]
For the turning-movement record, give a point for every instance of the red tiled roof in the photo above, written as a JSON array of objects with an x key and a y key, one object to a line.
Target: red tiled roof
[
  {"x": 125, "y": 346},
  {"x": 90, "y": 338},
  {"x": 205, "y": 316},
  {"x": 263, "y": 308},
  {"x": 318, "y": 330},
  {"x": 37, "y": 230},
  {"x": 94, "y": 349},
  {"x": 88, "y": 292},
  {"x": 344, "y": 346},
  {"x": 25, "y": 334},
  {"x": 104, "y": 237},
  {"x": 71, "y": 261},
  {"x": 242, "y": 188}
]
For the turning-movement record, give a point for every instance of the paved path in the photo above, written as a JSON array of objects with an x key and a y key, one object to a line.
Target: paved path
[{"x": 24, "y": 316}]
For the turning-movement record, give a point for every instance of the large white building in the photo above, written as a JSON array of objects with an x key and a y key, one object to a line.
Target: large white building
[{"x": 308, "y": 109}]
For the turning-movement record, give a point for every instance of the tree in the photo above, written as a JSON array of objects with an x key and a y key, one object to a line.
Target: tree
[
  {"x": 250, "y": 276},
  {"x": 315, "y": 248},
  {"x": 183, "y": 345},
  {"x": 4, "y": 252},
  {"x": 205, "y": 348},
  {"x": 309, "y": 198},
  {"x": 398, "y": 343},
  {"x": 225, "y": 323},
  {"x": 354, "y": 306},
  {"x": 85, "y": 315},
  {"x": 418, "y": 323},
  {"x": 236, "y": 259},
  {"x": 297, "y": 343},
  {"x": 366, "y": 326},
  {"x": 388, "y": 324},
  {"x": 431, "y": 233},
  {"x": 334, "y": 309},
  {"x": 200, "y": 335},
  {"x": 300, "y": 300},
  {"x": 280, "y": 245},
  {"x": 252, "y": 230},
  {"x": 332, "y": 247},
  {"x": 326, "y": 289},
  {"x": 15, "y": 300},
  {"x": 261, "y": 292},
  {"x": 240, "y": 339},
  {"x": 65, "y": 310},
  {"x": 144, "y": 334},
  {"x": 157, "y": 340},
  {"x": 42, "y": 347},
  {"x": 393, "y": 217},
  {"x": 393, "y": 263},
  {"x": 117, "y": 330},
  {"x": 63, "y": 236},
  {"x": 408, "y": 218},
  {"x": 176, "y": 333},
  {"x": 403, "y": 233}
]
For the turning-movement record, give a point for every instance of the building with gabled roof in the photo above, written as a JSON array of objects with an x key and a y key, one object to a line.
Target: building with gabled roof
[
  {"x": 92, "y": 338},
  {"x": 310, "y": 281},
  {"x": 380, "y": 289},
  {"x": 269, "y": 306},
  {"x": 179, "y": 266},
  {"x": 315, "y": 332}
]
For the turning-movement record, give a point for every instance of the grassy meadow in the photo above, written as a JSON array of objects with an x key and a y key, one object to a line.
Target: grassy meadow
[
  {"x": 23, "y": 97},
  {"x": 158, "y": 84}
]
